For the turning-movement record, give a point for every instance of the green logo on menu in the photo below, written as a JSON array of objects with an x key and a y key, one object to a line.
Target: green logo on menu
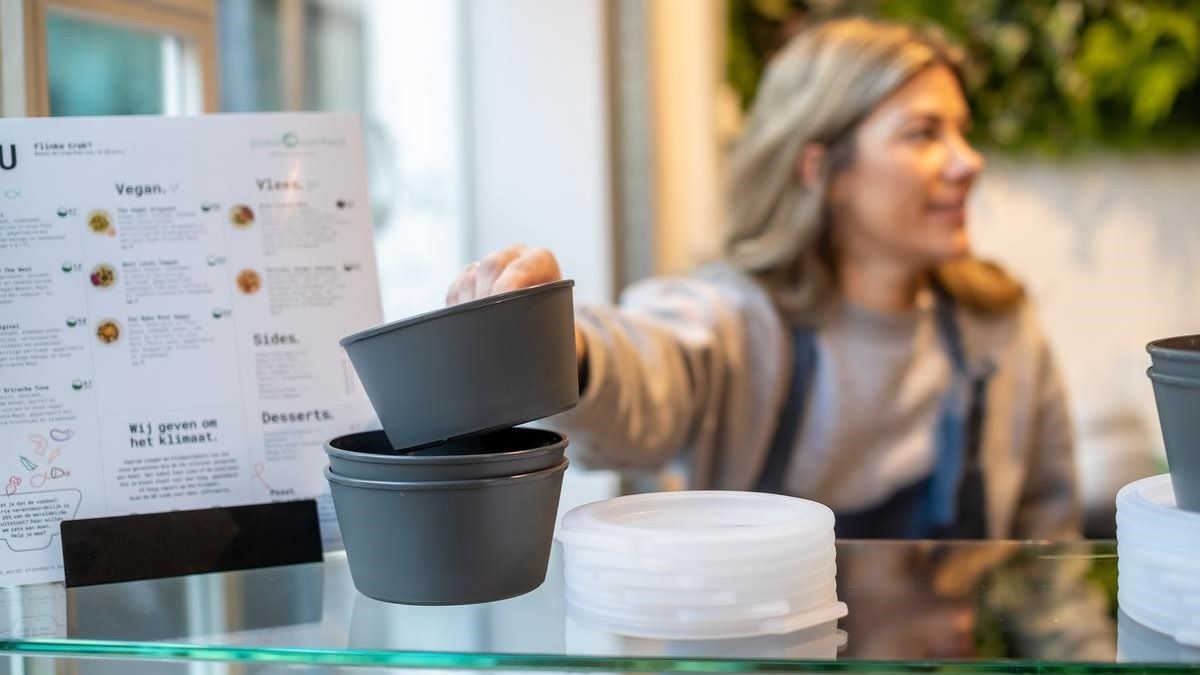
[{"x": 293, "y": 140}]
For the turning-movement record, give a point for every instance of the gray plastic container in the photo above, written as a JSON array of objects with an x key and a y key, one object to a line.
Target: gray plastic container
[
  {"x": 1176, "y": 355},
  {"x": 448, "y": 542},
  {"x": 487, "y": 364},
  {"x": 507, "y": 452},
  {"x": 1178, "y": 401}
]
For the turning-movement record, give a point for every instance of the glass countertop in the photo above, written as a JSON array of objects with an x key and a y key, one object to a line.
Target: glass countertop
[{"x": 914, "y": 606}]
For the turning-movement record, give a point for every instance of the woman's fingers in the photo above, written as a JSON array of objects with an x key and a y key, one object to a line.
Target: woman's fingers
[
  {"x": 534, "y": 266},
  {"x": 463, "y": 288},
  {"x": 509, "y": 269},
  {"x": 492, "y": 266}
]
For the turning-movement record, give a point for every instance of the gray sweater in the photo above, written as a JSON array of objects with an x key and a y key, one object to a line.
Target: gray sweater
[
  {"x": 876, "y": 396},
  {"x": 700, "y": 366}
]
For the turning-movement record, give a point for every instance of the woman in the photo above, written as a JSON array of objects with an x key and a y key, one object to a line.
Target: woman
[{"x": 847, "y": 348}]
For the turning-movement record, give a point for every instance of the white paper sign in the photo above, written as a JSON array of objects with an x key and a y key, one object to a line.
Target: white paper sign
[{"x": 172, "y": 292}]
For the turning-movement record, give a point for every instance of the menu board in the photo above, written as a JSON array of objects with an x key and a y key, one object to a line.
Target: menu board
[{"x": 172, "y": 292}]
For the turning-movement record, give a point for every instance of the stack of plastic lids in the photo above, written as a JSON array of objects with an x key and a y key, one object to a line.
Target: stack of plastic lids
[
  {"x": 701, "y": 565},
  {"x": 821, "y": 642},
  {"x": 1158, "y": 546},
  {"x": 1138, "y": 644}
]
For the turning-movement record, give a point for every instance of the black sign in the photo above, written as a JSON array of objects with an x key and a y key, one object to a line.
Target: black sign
[{"x": 176, "y": 543}]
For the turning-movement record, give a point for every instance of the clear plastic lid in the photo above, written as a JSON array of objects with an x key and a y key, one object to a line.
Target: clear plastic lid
[
  {"x": 1153, "y": 500},
  {"x": 1156, "y": 618},
  {"x": 721, "y": 561},
  {"x": 1160, "y": 565},
  {"x": 716, "y": 595},
  {"x": 1148, "y": 587},
  {"x": 624, "y": 578},
  {"x": 715, "y": 551},
  {"x": 763, "y": 609},
  {"x": 1173, "y": 579},
  {"x": 1158, "y": 547},
  {"x": 821, "y": 641},
  {"x": 1159, "y": 531},
  {"x": 667, "y": 630},
  {"x": 775, "y": 603},
  {"x": 661, "y": 520}
]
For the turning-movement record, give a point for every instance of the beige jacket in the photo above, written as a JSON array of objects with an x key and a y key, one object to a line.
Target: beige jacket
[{"x": 701, "y": 365}]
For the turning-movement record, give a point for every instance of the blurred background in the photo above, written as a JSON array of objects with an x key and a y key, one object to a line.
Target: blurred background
[{"x": 597, "y": 128}]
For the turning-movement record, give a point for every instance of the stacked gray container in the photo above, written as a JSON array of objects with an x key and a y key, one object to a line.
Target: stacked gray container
[
  {"x": 1175, "y": 373},
  {"x": 452, "y": 503}
]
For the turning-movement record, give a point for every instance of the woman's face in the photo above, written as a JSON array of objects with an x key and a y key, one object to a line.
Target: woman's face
[{"x": 903, "y": 197}]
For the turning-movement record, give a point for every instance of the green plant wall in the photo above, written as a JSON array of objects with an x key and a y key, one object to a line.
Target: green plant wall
[{"x": 1052, "y": 76}]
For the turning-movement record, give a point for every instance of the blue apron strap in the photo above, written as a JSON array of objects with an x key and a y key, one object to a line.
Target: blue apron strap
[
  {"x": 955, "y": 504},
  {"x": 804, "y": 354},
  {"x": 971, "y": 522}
]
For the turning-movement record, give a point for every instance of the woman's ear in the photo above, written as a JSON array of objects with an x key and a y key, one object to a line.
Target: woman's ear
[{"x": 810, "y": 165}]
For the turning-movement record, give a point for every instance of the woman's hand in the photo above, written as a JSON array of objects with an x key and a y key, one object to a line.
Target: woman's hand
[{"x": 509, "y": 269}]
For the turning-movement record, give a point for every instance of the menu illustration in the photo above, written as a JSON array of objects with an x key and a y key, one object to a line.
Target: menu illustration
[{"x": 172, "y": 292}]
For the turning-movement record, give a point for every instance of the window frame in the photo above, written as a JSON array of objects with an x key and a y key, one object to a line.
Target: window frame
[{"x": 193, "y": 21}]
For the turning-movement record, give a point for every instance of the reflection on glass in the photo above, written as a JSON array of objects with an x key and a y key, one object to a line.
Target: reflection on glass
[
  {"x": 974, "y": 600},
  {"x": 1139, "y": 644},
  {"x": 530, "y": 623},
  {"x": 823, "y": 642},
  {"x": 33, "y": 612},
  {"x": 184, "y": 607},
  {"x": 103, "y": 69},
  {"x": 1013, "y": 607}
]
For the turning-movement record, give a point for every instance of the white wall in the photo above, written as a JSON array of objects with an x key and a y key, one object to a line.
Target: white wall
[
  {"x": 539, "y": 134},
  {"x": 1108, "y": 246}
]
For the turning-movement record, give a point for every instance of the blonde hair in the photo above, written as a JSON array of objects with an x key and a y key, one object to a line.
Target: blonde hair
[{"x": 818, "y": 90}]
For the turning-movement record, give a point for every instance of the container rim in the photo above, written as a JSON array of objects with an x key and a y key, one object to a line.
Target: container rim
[
  {"x": 471, "y": 484},
  {"x": 1178, "y": 348},
  {"x": 404, "y": 457},
  {"x": 1173, "y": 380},
  {"x": 452, "y": 310}
]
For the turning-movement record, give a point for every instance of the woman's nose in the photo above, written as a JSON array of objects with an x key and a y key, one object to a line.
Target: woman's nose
[{"x": 965, "y": 162}]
